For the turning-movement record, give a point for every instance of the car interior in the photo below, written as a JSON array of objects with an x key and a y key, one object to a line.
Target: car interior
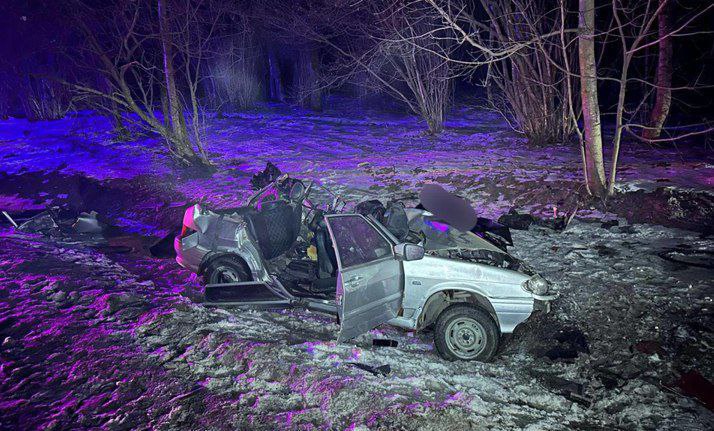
[{"x": 276, "y": 222}]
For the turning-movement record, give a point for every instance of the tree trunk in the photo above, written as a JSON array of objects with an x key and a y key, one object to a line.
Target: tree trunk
[
  {"x": 275, "y": 84},
  {"x": 594, "y": 166},
  {"x": 316, "y": 92},
  {"x": 663, "y": 98},
  {"x": 181, "y": 143},
  {"x": 307, "y": 86}
]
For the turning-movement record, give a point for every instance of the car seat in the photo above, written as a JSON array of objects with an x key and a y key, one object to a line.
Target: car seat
[
  {"x": 275, "y": 227},
  {"x": 395, "y": 220}
]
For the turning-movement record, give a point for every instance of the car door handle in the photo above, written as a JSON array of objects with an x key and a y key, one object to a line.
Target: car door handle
[{"x": 355, "y": 279}]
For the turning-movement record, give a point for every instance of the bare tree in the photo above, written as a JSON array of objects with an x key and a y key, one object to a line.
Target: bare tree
[
  {"x": 176, "y": 122},
  {"x": 410, "y": 60},
  {"x": 307, "y": 86},
  {"x": 630, "y": 33},
  {"x": 594, "y": 164},
  {"x": 131, "y": 45},
  {"x": 663, "y": 98},
  {"x": 233, "y": 72},
  {"x": 531, "y": 82}
]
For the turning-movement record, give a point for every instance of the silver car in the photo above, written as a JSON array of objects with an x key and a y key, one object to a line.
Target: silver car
[{"x": 283, "y": 250}]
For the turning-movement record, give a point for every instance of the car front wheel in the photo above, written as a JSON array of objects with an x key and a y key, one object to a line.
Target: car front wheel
[{"x": 464, "y": 332}]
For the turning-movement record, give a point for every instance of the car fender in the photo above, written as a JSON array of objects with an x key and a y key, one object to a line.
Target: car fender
[
  {"x": 507, "y": 311},
  {"x": 250, "y": 263},
  {"x": 438, "y": 297}
]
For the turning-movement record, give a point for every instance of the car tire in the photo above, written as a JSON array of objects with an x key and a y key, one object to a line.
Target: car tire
[
  {"x": 225, "y": 269},
  {"x": 464, "y": 332}
]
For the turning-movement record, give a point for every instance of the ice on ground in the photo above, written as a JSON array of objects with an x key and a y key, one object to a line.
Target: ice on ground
[{"x": 96, "y": 338}]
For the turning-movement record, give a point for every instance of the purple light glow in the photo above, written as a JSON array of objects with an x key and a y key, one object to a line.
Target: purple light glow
[{"x": 441, "y": 227}]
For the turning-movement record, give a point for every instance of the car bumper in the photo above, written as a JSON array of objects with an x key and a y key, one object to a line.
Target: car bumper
[
  {"x": 542, "y": 302},
  {"x": 188, "y": 253}
]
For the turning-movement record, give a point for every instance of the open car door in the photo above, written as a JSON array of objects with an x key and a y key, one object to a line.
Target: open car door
[{"x": 370, "y": 279}]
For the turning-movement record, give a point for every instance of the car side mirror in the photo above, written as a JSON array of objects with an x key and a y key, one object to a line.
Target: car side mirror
[{"x": 407, "y": 251}]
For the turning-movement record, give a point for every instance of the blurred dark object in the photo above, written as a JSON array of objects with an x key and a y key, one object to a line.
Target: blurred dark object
[
  {"x": 517, "y": 221},
  {"x": 164, "y": 248},
  {"x": 448, "y": 207},
  {"x": 381, "y": 370},
  {"x": 693, "y": 384},
  {"x": 381, "y": 342},
  {"x": 266, "y": 177}
]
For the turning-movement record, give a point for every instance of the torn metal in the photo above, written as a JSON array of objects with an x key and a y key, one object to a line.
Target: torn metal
[{"x": 292, "y": 245}]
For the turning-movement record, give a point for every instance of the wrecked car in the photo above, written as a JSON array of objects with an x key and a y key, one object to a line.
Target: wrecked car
[{"x": 403, "y": 266}]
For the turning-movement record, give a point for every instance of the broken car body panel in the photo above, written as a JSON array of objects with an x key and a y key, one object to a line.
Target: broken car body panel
[
  {"x": 216, "y": 234},
  {"x": 373, "y": 284}
]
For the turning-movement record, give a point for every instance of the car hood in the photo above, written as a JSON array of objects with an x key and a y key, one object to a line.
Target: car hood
[{"x": 439, "y": 235}]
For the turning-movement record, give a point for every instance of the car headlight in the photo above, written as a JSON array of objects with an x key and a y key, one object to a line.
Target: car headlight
[{"x": 537, "y": 285}]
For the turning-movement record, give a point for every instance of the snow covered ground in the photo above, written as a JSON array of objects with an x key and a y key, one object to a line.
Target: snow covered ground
[{"x": 98, "y": 337}]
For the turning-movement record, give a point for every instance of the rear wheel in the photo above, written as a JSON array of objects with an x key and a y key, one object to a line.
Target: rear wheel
[
  {"x": 226, "y": 269},
  {"x": 466, "y": 333}
]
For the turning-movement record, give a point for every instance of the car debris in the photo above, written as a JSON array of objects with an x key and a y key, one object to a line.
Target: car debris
[
  {"x": 572, "y": 391},
  {"x": 607, "y": 224},
  {"x": 10, "y": 219},
  {"x": 292, "y": 245},
  {"x": 515, "y": 220},
  {"x": 693, "y": 384},
  {"x": 569, "y": 343},
  {"x": 685, "y": 256},
  {"x": 43, "y": 223},
  {"x": 264, "y": 178},
  {"x": 381, "y": 370},
  {"x": 88, "y": 223},
  {"x": 380, "y": 342}
]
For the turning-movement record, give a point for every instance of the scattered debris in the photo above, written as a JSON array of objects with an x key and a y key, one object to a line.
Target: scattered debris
[
  {"x": 649, "y": 347},
  {"x": 571, "y": 390},
  {"x": 609, "y": 379},
  {"x": 689, "y": 257},
  {"x": 605, "y": 251},
  {"x": 607, "y": 224},
  {"x": 570, "y": 342},
  {"x": 266, "y": 177},
  {"x": 381, "y": 370},
  {"x": 378, "y": 342},
  {"x": 517, "y": 221},
  {"x": 41, "y": 223},
  {"x": 88, "y": 223}
]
